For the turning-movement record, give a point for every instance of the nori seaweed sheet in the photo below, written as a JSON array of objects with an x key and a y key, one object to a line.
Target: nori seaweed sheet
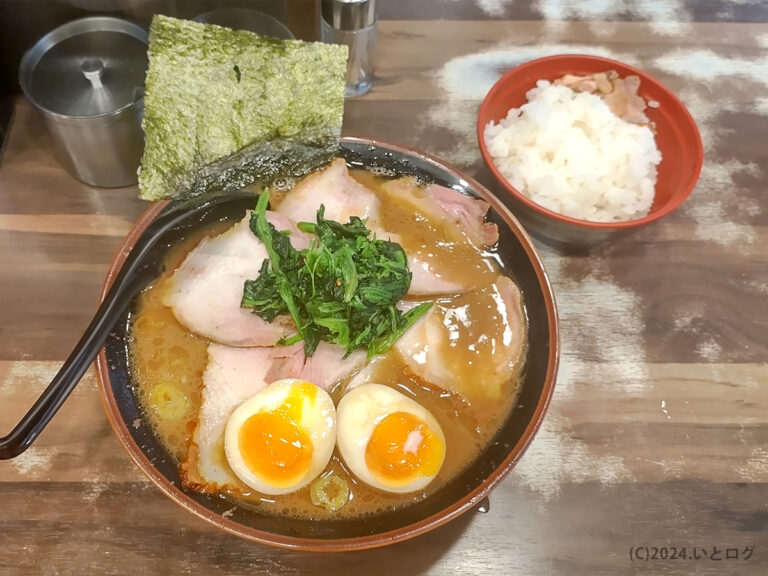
[{"x": 224, "y": 108}]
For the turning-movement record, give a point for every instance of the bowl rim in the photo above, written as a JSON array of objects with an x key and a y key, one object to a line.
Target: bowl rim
[
  {"x": 467, "y": 502},
  {"x": 666, "y": 209}
]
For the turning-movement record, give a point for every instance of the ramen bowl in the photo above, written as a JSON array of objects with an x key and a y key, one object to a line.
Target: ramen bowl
[
  {"x": 676, "y": 135},
  {"x": 461, "y": 494}
]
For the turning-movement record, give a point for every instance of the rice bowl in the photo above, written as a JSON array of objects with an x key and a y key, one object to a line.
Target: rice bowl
[
  {"x": 570, "y": 153},
  {"x": 675, "y": 131}
]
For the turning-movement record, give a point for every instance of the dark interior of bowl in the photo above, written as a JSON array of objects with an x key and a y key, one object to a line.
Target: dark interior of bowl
[{"x": 512, "y": 253}]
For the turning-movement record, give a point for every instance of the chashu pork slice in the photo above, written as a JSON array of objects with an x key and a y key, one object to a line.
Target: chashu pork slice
[
  {"x": 471, "y": 344},
  {"x": 232, "y": 376},
  {"x": 426, "y": 277},
  {"x": 462, "y": 217},
  {"x": 466, "y": 212},
  {"x": 443, "y": 237},
  {"x": 205, "y": 291},
  {"x": 325, "y": 367},
  {"x": 334, "y": 188}
]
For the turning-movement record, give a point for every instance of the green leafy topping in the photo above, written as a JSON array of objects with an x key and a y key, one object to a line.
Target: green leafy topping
[
  {"x": 343, "y": 289},
  {"x": 215, "y": 97}
]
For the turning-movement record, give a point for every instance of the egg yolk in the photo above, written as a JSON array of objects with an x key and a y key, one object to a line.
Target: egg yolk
[
  {"x": 402, "y": 447},
  {"x": 274, "y": 445}
]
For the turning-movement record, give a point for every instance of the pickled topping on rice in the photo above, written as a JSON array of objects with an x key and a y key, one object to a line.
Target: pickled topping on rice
[{"x": 619, "y": 93}]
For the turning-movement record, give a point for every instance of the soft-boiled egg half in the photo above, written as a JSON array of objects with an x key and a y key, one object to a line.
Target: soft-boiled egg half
[
  {"x": 388, "y": 440},
  {"x": 281, "y": 439}
]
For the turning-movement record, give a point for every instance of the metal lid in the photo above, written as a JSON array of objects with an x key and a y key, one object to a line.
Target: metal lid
[
  {"x": 247, "y": 19},
  {"x": 89, "y": 67},
  {"x": 349, "y": 14}
]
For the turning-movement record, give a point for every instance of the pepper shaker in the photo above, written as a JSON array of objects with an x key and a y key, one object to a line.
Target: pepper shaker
[{"x": 352, "y": 22}]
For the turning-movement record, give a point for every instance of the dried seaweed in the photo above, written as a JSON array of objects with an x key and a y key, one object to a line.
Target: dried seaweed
[{"x": 226, "y": 108}]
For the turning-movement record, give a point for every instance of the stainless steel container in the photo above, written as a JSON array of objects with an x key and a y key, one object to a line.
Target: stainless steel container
[
  {"x": 87, "y": 80},
  {"x": 352, "y": 22}
]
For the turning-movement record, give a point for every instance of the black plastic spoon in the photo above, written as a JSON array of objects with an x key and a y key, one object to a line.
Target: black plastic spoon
[
  {"x": 136, "y": 273},
  {"x": 216, "y": 188}
]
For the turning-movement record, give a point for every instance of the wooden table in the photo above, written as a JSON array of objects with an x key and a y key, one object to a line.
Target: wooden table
[{"x": 657, "y": 435}]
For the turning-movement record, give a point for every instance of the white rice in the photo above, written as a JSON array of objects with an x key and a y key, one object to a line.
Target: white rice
[{"x": 569, "y": 153}]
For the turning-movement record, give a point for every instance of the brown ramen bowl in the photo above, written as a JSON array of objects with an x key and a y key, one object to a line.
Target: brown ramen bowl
[{"x": 461, "y": 494}]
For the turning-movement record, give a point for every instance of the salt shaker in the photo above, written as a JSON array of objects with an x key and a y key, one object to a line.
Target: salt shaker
[{"x": 352, "y": 22}]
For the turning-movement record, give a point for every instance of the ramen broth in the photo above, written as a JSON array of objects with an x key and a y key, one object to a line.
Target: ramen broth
[{"x": 168, "y": 363}]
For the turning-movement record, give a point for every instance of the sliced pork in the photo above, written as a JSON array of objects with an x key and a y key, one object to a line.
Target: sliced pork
[
  {"x": 206, "y": 290},
  {"x": 426, "y": 278},
  {"x": 232, "y": 376},
  {"x": 326, "y": 367},
  {"x": 468, "y": 213},
  {"x": 334, "y": 188},
  {"x": 442, "y": 233},
  {"x": 471, "y": 344}
]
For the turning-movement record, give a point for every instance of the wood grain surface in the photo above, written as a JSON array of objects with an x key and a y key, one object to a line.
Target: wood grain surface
[{"x": 657, "y": 435}]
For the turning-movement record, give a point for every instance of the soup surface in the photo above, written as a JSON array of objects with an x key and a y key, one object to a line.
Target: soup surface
[{"x": 462, "y": 362}]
